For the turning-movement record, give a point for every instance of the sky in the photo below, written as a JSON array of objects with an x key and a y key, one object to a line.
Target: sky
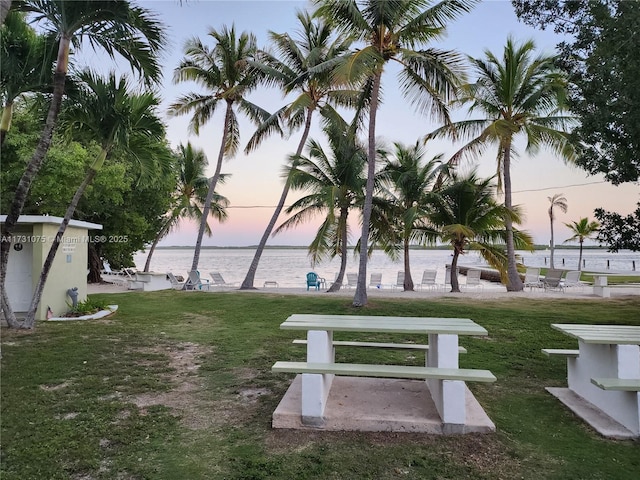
[{"x": 255, "y": 184}]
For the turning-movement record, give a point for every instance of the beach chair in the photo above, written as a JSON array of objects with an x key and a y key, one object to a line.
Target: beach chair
[
  {"x": 175, "y": 283},
  {"x": 553, "y": 280},
  {"x": 572, "y": 280},
  {"x": 219, "y": 281},
  {"x": 352, "y": 280},
  {"x": 399, "y": 280},
  {"x": 428, "y": 279},
  {"x": 194, "y": 282},
  {"x": 473, "y": 279},
  {"x": 532, "y": 278},
  {"x": 376, "y": 280},
  {"x": 313, "y": 280}
]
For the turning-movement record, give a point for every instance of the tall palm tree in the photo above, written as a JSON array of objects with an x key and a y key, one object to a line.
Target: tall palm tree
[
  {"x": 225, "y": 71},
  {"x": 582, "y": 229},
  {"x": 557, "y": 200},
  {"x": 117, "y": 27},
  {"x": 190, "y": 195},
  {"x": 410, "y": 181},
  {"x": 335, "y": 182},
  {"x": 27, "y": 61},
  {"x": 518, "y": 96},
  {"x": 394, "y": 31},
  {"x": 107, "y": 112},
  {"x": 314, "y": 45},
  {"x": 465, "y": 214}
]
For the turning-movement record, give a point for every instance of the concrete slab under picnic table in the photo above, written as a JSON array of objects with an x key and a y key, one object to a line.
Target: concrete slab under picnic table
[{"x": 379, "y": 405}]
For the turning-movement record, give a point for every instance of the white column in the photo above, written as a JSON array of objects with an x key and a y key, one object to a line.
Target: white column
[
  {"x": 448, "y": 395},
  {"x": 315, "y": 387}
]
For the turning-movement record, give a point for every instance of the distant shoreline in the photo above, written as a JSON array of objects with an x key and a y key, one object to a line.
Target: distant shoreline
[{"x": 302, "y": 247}]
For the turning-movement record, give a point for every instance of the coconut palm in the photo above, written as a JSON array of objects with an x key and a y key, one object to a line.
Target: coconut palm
[
  {"x": 191, "y": 193},
  {"x": 335, "y": 182},
  {"x": 409, "y": 181},
  {"x": 557, "y": 200},
  {"x": 394, "y": 31},
  {"x": 314, "y": 44},
  {"x": 465, "y": 214},
  {"x": 519, "y": 96},
  {"x": 27, "y": 61},
  {"x": 117, "y": 27},
  {"x": 582, "y": 229},
  {"x": 225, "y": 72},
  {"x": 106, "y": 112}
]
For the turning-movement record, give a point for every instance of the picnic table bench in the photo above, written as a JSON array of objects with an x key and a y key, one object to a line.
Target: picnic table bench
[
  {"x": 605, "y": 372},
  {"x": 441, "y": 371}
]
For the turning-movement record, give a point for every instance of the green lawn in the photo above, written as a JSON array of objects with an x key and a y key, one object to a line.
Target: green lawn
[{"x": 120, "y": 398}]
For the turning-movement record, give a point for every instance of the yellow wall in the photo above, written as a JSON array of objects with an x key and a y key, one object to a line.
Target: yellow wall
[{"x": 69, "y": 268}]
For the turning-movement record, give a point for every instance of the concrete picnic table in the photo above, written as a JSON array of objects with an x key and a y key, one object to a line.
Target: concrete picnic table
[
  {"x": 606, "y": 373},
  {"x": 445, "y": 380}
]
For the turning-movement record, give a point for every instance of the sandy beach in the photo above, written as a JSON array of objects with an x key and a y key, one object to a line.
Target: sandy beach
[{"x": 489, "y": 291}]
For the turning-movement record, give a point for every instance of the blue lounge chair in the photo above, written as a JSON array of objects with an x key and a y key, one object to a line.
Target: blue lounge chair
[{"x": 313, "y": 280}]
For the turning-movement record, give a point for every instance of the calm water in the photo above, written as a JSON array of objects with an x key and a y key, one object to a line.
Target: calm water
[{"x": 289, "y": 266}]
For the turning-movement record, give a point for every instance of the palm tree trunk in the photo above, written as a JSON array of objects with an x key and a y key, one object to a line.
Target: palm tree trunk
[
  {"x": 580, "y": 256},
  {"x": 551, "y": 243},
  {"x": 161, "y": 234},
  {"x": 249, "y": 279},
  {"x": 5, "y": 123},
  {"x": 46, "y": 268},
  {"x": 455, "y": 285},
  {"x": 360, "y": 297},
  {"x": 5, "y": 6},
  {"x": 514, "y": 282},
  {"x": 22, "y": 190},
  {"x": 212, "y": 187},
  {"x": 408, "y": 281},
  {"x": 344, "y": 251}
]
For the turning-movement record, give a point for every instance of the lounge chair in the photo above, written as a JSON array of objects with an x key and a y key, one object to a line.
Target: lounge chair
[
  {"x": 428, "y": 279},
  {"x": 194, "y": 282},
  {"x": 218, "y": 280},
  {"x": 473, "y": 278},
  {"x": 352, "y": 280},
  {"x": 572, "y": 280},
  {"x": 532, "y": 278},
  {"x": 399, "y": 280},
  {"x": 313, "y": 280},
  {"x": 175, "y": 283},
  {"x": 376, "y": 280},
  {"x": 553, "y": 280}
]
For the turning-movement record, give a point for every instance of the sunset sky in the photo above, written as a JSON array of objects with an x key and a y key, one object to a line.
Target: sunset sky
[{"x": 255, "y": 183}]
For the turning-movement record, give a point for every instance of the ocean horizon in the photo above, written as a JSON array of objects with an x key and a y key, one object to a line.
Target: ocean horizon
[{"x": 288, "y": 266}]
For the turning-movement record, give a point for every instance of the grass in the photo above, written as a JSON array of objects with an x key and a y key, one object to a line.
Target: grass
[{"x": 119, "y": 398}]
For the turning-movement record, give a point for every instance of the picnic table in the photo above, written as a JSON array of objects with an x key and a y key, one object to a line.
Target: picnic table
[
  {"x": 445, "y": 380},
  {"x": 606, "y": 370}
]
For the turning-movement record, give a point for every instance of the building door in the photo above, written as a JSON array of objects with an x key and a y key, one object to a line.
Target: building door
[{"x": 19, "y": 281}]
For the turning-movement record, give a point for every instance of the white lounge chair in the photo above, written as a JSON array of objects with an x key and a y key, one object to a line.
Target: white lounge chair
[
  {"x": 194, "y": 282},
  {"x": 428, "y": 279},
  {"x": 473, "y": 279},
  {"x": 553, "y": 280},
  {"x": 352, "y": 280},
  {"x": 532, "y": 278},
  {"x": 218, "y": 281},
  {"x": 399, "y": 280},
  {"x": 572, "y": 280},
  {"x": 175, "y": 283},
  {"x": 376, "y": 280}
]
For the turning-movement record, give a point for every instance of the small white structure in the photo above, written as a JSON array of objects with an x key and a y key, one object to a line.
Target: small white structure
[{"x": 31, "y": 242}]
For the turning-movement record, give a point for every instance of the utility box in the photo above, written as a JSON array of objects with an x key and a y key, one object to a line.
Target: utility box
[{"x": 31, "y": 242}]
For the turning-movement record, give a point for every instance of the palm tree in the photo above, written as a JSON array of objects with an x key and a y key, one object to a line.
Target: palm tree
[
  {"x": 465, "y": 214},
  {"x": 105, "y": 111},
  {"x": 118, "y": 27},
  {"x": 27, "y": 61},
  {"x": 559, "y": 201},
  {"x": 394, "y": 31},
  {"x": 314, "y": 45},
  {"x": 409, "y": 181},
  {"x": 518, "y": 96},
  {"x": 581, "y": 229},
  {"x": 226, "y": 73},
  {"x": 190, "y": 195},
  {"x": 336, "y": 183}
]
